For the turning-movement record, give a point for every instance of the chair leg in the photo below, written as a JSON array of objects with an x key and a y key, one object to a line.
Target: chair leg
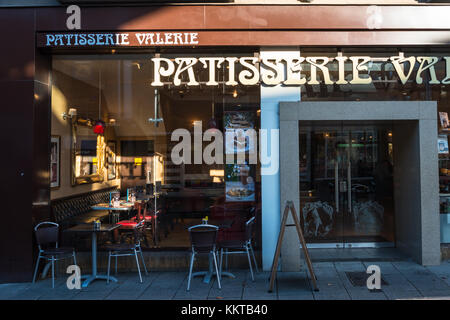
[
  {"x": 253, "y": 255},
  {"x": 217, "y": 271},
  {"x": 191, "y": 265},
  {"x": 146, "y": 240},
  {"x": 137, "y": 263},
  {"x": 226, "y": 259},
  {"x": 109, "y": 266},
  {"x": 221, "y": 262},
  {"x": 116, "y": 265},
  {"x": 53, "y": 272},
  {"x": 250, "y": 263},
  {"x": 143, "y": 261},
  {"x": 36, "y": 268}
]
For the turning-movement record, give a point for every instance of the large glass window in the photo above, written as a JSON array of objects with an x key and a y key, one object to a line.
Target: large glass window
[
  {"x": 120, "y": 132},
  {"x": 386, "y": 85}
]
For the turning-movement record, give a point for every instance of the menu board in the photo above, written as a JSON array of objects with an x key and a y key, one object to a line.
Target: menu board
[
  {"x": 445, "y": 124},
  {"x": 239, "y": 178},
  {"x": 442, "y": 144},
  {"x": 239, "y": 182},
  {"x": 236, "y": 125}
]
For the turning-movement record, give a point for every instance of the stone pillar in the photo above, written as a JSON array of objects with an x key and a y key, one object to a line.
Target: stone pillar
[{"x": 271, "y": 96}]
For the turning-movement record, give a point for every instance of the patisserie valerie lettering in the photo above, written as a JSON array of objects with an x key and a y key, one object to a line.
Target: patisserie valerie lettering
[{"x": 120, "y": 39}]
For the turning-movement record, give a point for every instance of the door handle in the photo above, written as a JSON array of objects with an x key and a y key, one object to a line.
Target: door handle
[
  {"x": 343, "y": 186},
  {"x": 336, "y": 186},
  {"x": 349, "y": 190},
  {"x": 40, "y": 204}
]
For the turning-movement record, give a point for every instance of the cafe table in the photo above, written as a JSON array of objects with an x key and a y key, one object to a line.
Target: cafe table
[
  {"x": 207, "y": 275},
  {"x": 114, "y": 210},
  {"x": 89, "y": 228}
]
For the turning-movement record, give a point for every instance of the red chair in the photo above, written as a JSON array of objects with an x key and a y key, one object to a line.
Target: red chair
[
  {"x": 132, "y": 223},
  {"x": 127, "y": 226}
]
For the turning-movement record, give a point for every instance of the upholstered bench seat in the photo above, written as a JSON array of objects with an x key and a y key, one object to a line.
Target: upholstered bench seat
[
  {"x": 77, "y": 209},
  {"x": 91, "y": 216}
]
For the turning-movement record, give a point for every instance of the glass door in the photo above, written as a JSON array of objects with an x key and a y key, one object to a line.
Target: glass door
[{"x": 346, "y": 184}]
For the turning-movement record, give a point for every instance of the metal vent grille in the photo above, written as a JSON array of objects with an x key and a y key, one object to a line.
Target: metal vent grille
[{"x": 359, "y": 279}]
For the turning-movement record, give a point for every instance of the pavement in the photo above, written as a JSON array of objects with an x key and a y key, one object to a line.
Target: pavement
[{"x": 402, "y": 279}]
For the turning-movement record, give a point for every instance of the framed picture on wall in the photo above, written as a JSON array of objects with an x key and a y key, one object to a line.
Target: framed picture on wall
[
  {"x": 55, "y": 157},
  {"x": 445, "y": 124},
  {"x": 111, "y": 160},
  {"x": 442, "y": 144}
]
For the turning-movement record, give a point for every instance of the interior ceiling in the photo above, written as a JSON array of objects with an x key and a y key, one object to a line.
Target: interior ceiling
[{"x": 127, "y": 96}]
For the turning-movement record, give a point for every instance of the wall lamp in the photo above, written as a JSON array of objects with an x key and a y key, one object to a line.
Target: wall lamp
[{"x": 71, "y": 114}]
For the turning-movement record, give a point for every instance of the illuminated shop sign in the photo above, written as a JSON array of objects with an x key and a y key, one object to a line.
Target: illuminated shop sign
[
  {"x": 294, "y": 71},
  {"x": 251, "y": 70}
]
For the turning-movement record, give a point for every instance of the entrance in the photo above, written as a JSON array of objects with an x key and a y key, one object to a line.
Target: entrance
[
  {"x": 314, "y": 138},
  {"x": 346, "y": 183}
]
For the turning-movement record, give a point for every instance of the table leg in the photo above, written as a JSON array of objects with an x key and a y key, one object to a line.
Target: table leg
[
  {"x": 155, "y": 230},
  {"x": 94, "y": 276},
  {"x": 210, "y": 273},
  {"x": 45, "y": 270},
  {"x": 115, "y": 216}
]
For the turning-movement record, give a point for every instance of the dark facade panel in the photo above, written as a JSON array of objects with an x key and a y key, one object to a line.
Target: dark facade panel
[
  {"x": 24, "y": 133},
  {"x": 256, "y": 17}
]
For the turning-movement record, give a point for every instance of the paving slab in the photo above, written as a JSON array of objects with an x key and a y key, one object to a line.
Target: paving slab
[
  {"x": 296, "y": 296},
  {"x": 386, "y": 267},
  {"x": 349, "y": 266},
  {"x": 365, "y": 294},
  {"x": 427, "y": 282},
  {"x": 226, "y": 292},
  {"x": 16, "y": 291},
  {"x": 169, "y": 279},
  {"x": 402, "y": 294},
  {"x": 296, "y": 282},
  {"x": 440, "y": 294},
  {"x": 158, "y": 293},
  {"x": 224, "y": 298},
  {"x": 8, "y": 290},
  {"x": 397, "y": 282},
  {"x": 407, "y": 267},
  {"x": 331, "y": 296}
]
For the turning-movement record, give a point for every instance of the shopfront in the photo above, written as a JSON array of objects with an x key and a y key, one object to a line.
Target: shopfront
[
  {"x": 160, "y": 140},
  {"x": 217, "y": 113}
]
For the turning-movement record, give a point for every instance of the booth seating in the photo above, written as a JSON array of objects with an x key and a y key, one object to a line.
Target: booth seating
[{"x": 76, "y": 209}]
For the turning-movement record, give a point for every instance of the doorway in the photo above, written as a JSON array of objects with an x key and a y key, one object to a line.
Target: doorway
[
  {"x": 410, "y": 221},
  {"x": 346, "y": 183}
]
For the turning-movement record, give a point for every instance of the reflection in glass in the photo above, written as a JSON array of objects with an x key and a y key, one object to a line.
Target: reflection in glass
[
  {"x": 135, "y": 151},
  {"x": 346, "y": 182}
]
